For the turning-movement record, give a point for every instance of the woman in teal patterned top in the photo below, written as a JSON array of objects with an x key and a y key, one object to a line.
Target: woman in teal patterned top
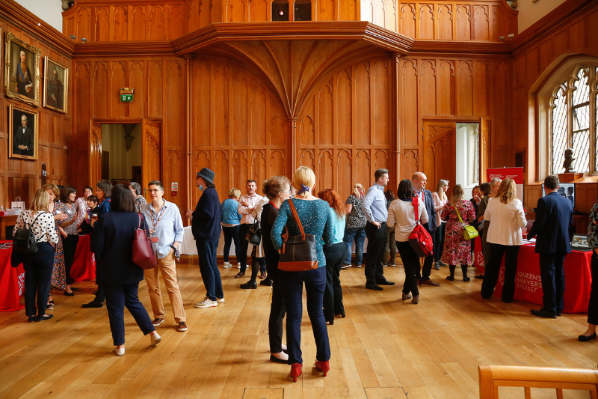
[
  {"x": 316, "y": 219},
  {"x": 590, "y": 333}
]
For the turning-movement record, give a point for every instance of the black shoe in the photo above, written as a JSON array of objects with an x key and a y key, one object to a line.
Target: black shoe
[
  {"x": 249, "y": 285},
  {"x": 374, "y": 287},
  {"x": 277, "y": 360},
  {"x": 385, "y": 282},
  {"x": 586, "y": 338},
  {"x": 74, "y": 289},
  {"x": 480, "y": 277},
  {"x": 44, "y": 317},
  {"x": 559, "y": 313},
  {"x": 341, "y": 315},
  {"x": 450, "y": 278},
  {"x": 32, "y": 319},
  {"x": 547, "y": 314},
  {"x": 69, "y": 293},
  {"x": 93, "y": 304},
  {"x": 266, "y": 282},
  {"x": 240, "y": 274},
  {"x": 466, "y": 279},
  {"x": 331, "y": 322}
]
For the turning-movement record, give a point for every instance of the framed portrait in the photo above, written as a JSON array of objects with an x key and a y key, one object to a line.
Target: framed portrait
[
  {"x": 56, "y": 78},
  {"x": 22, "y": 70},
  {"x": 23, "y": 128}
]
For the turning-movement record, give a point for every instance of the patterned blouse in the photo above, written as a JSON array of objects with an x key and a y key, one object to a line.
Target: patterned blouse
[
  {"x": 356, "y": 219},
  {"x": 140, "y": 202},
  {"x": 593, "y": 228},
  {"x": 43, "y": 229},
  {"x": 81, "y": 204},
  {"x": 315, "y": 218},
  {"x": 71, "y": 229}
]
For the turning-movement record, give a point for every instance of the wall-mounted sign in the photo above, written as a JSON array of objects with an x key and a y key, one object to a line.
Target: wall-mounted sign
[
  {"x": 174, "y": 188},
  {"x": 126, "y": 94}
]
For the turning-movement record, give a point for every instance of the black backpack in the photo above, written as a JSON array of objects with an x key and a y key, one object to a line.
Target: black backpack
[{"x": 24, "y": 242}]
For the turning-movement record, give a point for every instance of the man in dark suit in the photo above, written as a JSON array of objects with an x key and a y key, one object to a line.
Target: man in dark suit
[
  {"x": 419, "y": 185},
  {"x": 23, "y": 139},
  {"x": 554, "y": 217}
]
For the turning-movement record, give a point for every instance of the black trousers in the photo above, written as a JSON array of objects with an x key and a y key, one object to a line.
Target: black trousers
[
  {"x": 333, "y": 294},
  {"x": 277, "y": 310},
  {"x": 438, "y": 237},
  {"x": 117, "y": 298},
  {"x": 374, "y": 271},
  {"x": 38, "y": 273},
  {"x": 495, "y": 255},
  {"x": 553, "y": 281},
  {"x": 426, "y": 269},
  {"x": 243, "y": 229},
  {"x": 69, "y": 245},
  {"x": 593, "y": 303},
  {"x": 411, "y": 264}
]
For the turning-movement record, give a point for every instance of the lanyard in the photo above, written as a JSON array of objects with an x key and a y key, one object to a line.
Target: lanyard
[{"x": 155, "y": 223}]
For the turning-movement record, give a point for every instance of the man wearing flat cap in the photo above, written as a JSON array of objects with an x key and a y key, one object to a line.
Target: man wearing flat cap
[{"x": 205, "y": 226}]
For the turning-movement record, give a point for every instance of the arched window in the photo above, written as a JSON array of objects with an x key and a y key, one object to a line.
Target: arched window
[{"x": 574, "y": 119}]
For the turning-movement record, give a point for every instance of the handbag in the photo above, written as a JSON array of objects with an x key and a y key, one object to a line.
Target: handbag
[
  {"x": 299, "y": 253},
  {"x": 469, "y": 231},
  {"x": 419, "y": 239},
  {"x": 24, "y": 241},
  {"x": 143, "y": 254},
  {"x": 254, "y": 235}
]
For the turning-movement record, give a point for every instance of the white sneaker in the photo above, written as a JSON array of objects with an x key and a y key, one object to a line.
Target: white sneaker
[
  {"x": 220, "y": 300},
  {"x": 119, "y": 351},
  {"x": 206, "y": 303},
  {"x": 156, "y": 339},
  {"x": 227, "y": 265},
  {"x": 238, "y": 265}
]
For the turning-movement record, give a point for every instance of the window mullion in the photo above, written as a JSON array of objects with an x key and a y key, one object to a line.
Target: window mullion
[{"x": 593, "y": 90}]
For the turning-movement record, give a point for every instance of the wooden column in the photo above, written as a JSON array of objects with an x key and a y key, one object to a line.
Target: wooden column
[
  {"x": 189, "y": 142},
  {"x": 293, "y": 147},
  {"x": 396, "y": 126}
]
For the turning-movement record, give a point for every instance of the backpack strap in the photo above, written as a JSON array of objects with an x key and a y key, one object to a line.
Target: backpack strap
[
  {"x": 415, "y": 202},
  {"x": 296, "y": 217}
]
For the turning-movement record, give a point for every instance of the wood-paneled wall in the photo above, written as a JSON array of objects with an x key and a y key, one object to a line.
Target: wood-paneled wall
[
  {"x": 23, "y": 177},
  {"x": 467, "y": 20}
]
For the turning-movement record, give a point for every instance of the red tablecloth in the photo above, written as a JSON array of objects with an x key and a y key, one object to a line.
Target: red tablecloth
[
  {"x": 84, "y": 262},
  {"x": 528, "y": 285},
  {"x": 478, "y": 256},
  {"x": 12, "y": 283}
]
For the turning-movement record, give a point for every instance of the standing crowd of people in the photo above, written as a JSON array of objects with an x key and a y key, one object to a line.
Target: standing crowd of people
[{"x": 298, "y": 238}]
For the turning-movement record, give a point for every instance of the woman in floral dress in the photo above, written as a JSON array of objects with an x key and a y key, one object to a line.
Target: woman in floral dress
[
  {"x": 456, "y": 249},
  {"x": 58, "y": 279}
]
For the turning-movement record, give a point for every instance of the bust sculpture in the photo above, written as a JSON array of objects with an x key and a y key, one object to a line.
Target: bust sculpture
[{"x": 569, "y": 161}]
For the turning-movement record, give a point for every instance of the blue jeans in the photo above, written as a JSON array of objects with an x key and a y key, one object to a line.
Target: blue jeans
[
  {"x": 315, "y": 283},
  {"x": 231, "y": 234},
  {"x": 359, "y": 236},
  {"x": 209, "y": 268},
  {"x": 119, "y": 296}
]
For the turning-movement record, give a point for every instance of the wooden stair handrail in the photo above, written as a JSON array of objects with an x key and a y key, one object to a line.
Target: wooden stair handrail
[{"x": 493, "y": 377}]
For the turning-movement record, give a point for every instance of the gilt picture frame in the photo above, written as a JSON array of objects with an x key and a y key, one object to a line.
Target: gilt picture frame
[
  {"x": 56, "y": 89},
  {"x": 23, "y": 133},
  {"x": 22, "y": 79}
]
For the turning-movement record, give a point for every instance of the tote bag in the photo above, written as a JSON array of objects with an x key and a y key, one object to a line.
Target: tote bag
[
  {"x": 299, "y": 253},
  {"x": 143, "y": 254},
  {"x": 419, "y": 239}
]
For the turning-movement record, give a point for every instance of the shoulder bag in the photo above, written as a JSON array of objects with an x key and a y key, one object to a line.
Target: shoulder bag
[
  {"x": 254, "y": 235},
  {"x": 419, "y": 239},
  {"x": 299, "y": 253},
  {"x": 24, "y": 241},
  {"x": 143, "y": 254},
  {"x": 469, "y": 231}
]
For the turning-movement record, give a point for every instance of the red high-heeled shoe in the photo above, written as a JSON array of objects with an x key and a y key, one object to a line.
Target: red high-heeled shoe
[
  {"x": 295, "y": 371},
  {"x": 324, "y": 367}
]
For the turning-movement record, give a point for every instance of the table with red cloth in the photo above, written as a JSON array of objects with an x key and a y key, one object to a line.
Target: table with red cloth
[
  {"x": 84, "y": 262},
  {"x": 528, "y": 284},
  {"x": 12, "y": 282}
]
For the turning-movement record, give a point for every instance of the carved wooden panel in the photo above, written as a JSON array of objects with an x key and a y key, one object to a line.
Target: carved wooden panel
[
  {"x": 325, "y": 10},
  {"x": 155, "y": 87},
  {"x": 426, "y": 21},
  {"x": 137, "y": 81},
  {"x": 121, "y": 24},
  {"x": 463, "y": 22},
  {"x": 481, "y": 93},
  {"x": 118, "y": 80},
  {"x": 138, "y": 21},
  {"x": 446, "y": 88},
  {"x": 379, "y": 12},
  {"x": 409, "y": 100},
  {"x": 102, "y": 24},
  {"x": 481, "y": 22},
  {"x": 428, "y": 87},
  {"x": 174, "y": 108},
  {"x": 345, "y": 109},
  {"x": 445, "y": 21},
  {"x": 464, "y": 88},
  {"x": 258, "y": 10},
  {"x": 407, "y": 26},
  {"x": 101, "y": 90},
  {"x": 348, "y": 11}
]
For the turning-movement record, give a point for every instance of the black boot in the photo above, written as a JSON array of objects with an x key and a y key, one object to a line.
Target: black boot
[
  {"x": 464, "y": 270},
  {"x": 452, "y": 270}
]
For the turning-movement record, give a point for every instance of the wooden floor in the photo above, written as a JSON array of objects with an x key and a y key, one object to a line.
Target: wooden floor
[{"x": 385, "y": 348}]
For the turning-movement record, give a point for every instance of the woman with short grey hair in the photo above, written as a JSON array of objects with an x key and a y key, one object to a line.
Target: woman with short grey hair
[{"x": 140, "y": 200}]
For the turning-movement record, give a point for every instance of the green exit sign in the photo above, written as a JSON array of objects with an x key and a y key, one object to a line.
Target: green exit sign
[{"x": 126, "y": 98}]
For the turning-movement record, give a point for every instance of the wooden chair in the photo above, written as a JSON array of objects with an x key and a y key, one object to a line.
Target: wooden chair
[{"x": 492, "y": 377}]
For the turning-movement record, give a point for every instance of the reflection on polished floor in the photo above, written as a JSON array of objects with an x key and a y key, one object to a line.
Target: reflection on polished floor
[{"x": 385, "y": 348}]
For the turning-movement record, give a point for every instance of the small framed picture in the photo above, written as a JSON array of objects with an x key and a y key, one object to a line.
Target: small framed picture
[
  {"x": 56, "y": 78},
  {"x": 23, "y": 126},
  {"x": 22, "y": 71}
]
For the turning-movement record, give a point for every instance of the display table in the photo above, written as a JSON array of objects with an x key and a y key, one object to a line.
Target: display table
[
  {"x": 528, "y": 285},
  {"x": 84, "y": 262},
  {"x": 6, "y": 221},
  {"x": 188, "y": 245},
  {"x": 12, "y": 282}
]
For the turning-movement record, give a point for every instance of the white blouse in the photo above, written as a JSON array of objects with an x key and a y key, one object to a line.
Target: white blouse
[
  {"x": 507, "y": 222},
  {"x": 401, "y": 216},
  {"x": 438, "y": 206},
  {"x": 44, "y": 229}
]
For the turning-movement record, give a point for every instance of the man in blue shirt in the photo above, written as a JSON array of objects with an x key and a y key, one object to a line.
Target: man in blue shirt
[
  {"x": 166, "y": 225},
  {"x": 374, "y": 208}
]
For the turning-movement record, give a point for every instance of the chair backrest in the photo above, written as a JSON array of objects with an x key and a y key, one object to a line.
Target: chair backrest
[{"x": 493, "y": 377}]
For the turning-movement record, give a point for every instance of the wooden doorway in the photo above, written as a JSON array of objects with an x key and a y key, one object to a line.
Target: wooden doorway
[{"x": 439, "y": 152}]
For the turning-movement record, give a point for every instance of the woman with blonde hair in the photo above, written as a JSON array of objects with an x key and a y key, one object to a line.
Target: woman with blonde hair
[
  {"x": 316, "y": 219},
  {"x": 457, "y": 250},
  {"x": 231, "y": 220},
  {"x": 58, "y": 279},
  {"x": 38, "y": 266},
  {"x": 440, "y": 199},
  {"x": 354, "y": 226},
  {"x": 504, "y": 237},
  {"x": 335, "y": 253}
]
